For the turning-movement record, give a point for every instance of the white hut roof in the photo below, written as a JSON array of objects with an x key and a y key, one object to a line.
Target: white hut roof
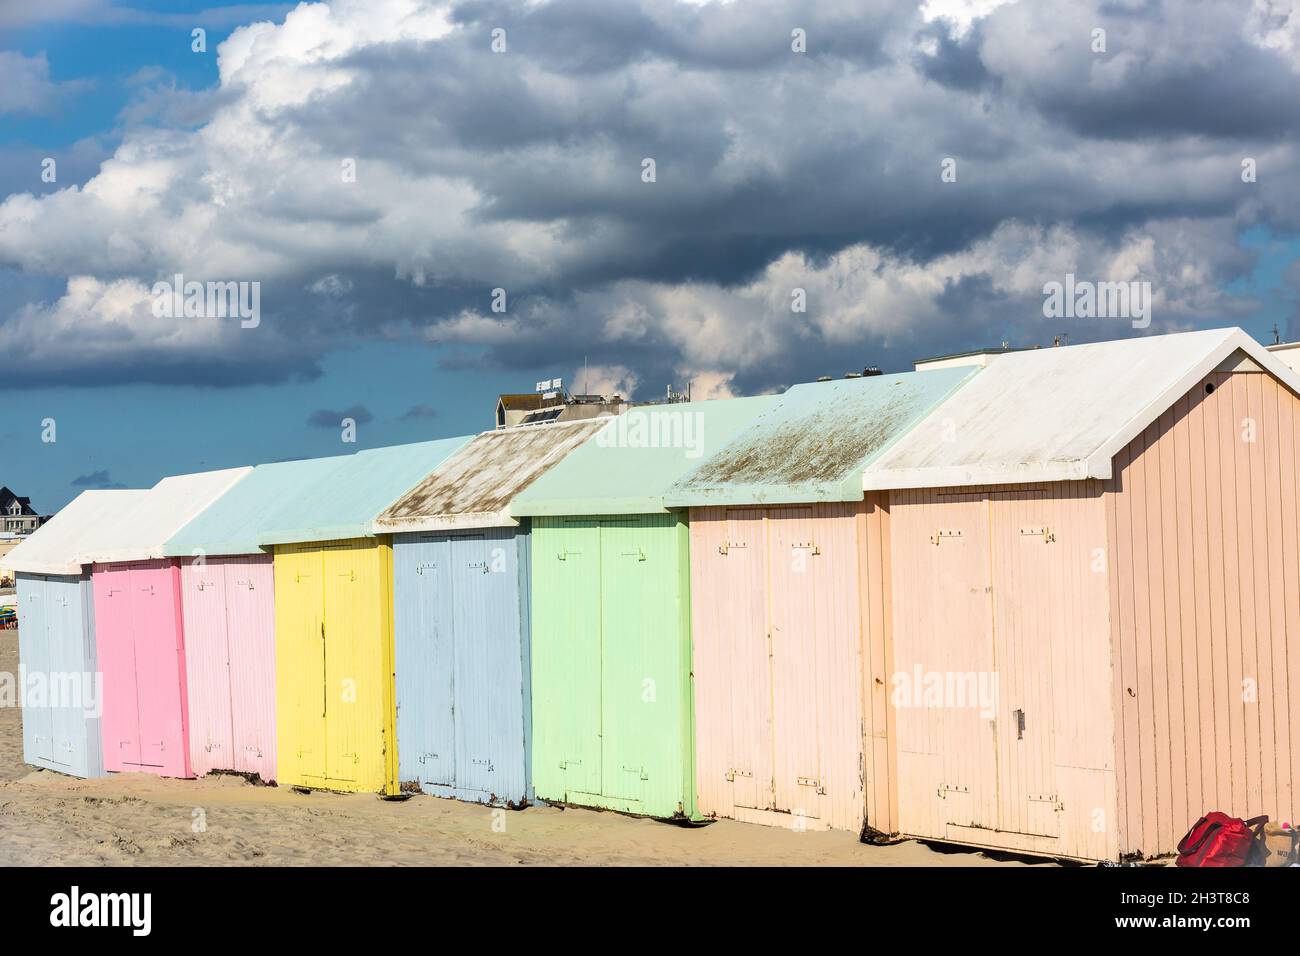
[{"x": 1058, "y": 414}]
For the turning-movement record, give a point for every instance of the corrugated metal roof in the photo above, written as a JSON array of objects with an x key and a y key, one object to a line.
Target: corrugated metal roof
[
  {"x": 474, "y": 488},
  {"x": 1058, "y": 414},
  {"x": 813, "y": 443},
  {"x": 139, "y": 533},
  {"x": 234, "y": 521},
  {"x": 345, "y": 502},
  {"x": 632, "y": 462},
  {"x": 56, "y": 546}
]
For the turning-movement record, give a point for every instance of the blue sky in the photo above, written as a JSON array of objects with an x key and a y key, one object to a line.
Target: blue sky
[
  {"x": 522, "y": 169},
  {"x": 134, "y": 434}
]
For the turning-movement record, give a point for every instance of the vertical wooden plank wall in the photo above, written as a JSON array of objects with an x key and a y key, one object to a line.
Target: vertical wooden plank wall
[
  {"x": 878, "y": 732},
  {"x": 1206, "y": 602}
]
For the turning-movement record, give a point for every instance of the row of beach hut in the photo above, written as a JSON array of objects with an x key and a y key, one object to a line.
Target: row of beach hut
[{"x": 1049, "y": 604}]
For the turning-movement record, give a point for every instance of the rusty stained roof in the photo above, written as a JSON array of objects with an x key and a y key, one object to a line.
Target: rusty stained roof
[
  {"x": 814, "y": 442},
  {"x": 474, "y": 488}
]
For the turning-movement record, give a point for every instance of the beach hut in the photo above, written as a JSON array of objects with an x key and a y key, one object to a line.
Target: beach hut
[
  {"x": 139, "y": 635},
  {"x": 1096, "y": 597},
  {"x": 789, "y": 608},
  {"x": 334, "y": 707},
  {"x": 228, "y": 611},
  {"x": 461, "y": 615},
  {"x": 611, "y": 653},
  {"x": 62, "y": 693}
]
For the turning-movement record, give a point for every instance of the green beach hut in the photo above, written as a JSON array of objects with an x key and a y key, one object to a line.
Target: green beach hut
[{"x": 613, "y": 719}]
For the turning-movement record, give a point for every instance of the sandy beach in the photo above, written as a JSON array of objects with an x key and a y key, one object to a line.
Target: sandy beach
[{"x": 47, "y": 819}]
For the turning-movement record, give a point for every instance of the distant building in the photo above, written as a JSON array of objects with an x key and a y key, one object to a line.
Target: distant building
[
  {"x": 1288, "y": 352},
  {"x": 529, "y": 408},
  {"x": 980, "y": 357},
  {"x": 17, "y": 515}
]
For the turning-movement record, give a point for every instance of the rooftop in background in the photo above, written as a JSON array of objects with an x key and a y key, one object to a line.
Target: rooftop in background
[
  {"x": 629, "y": 465},
  {"x": 474, "y": 488},
  {"x": 1288, "y": 352},
  {"x": 979, "y": 357},
  {"x": 17, "y": 514},
  {"x": 1061, "y": 414},
  {"x": 813, "y": 442}
]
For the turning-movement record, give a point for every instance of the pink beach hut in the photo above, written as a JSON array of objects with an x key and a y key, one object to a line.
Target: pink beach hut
[{"x": 139, "y": 634}]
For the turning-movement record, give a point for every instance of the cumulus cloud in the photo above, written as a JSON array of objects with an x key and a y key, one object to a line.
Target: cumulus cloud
[
  {"x": 25, "y": 84},
  {"x": 382, "y": 171}
]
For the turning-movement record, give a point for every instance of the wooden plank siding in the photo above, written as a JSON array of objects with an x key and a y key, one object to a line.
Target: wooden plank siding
[{"x": 1205, "y": 605}]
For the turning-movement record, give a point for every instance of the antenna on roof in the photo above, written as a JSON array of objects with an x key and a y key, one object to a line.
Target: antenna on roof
[{"x": 1277, "y": 338}]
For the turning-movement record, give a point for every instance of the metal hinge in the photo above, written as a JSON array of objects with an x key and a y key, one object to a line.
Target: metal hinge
[
  {"x": 733, "y": 774},
  {"x": 638, "y": 554},
  {"x": 805, "y": 546},
  {"x": 1057, "y": 804},
  {"x": 639, "y": 771},
  {"x": 810, "y": 782},
  {"x": 1042, "y": 531},
  {"x": 421, "y": 568},
  {"x": 726, "y": 548},
  {"x": 945, "y": 533},
  {"x": 947, "y": 788}
]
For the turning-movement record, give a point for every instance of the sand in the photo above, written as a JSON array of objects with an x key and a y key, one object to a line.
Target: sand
[{"x": 48, "y": 819}]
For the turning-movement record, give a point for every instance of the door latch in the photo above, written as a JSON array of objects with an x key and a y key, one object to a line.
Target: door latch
[{"x": 1019, "y": 716}]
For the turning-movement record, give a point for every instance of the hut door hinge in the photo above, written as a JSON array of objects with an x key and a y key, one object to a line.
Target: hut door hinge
[
  {"x": 148, "y": 587},
  {"x": 480, "y": 566},
  {"x": 638, "y": 554},
  {"x": 566, "y": 764},
  {"x": 733, "y": 773},
  {"x": 811, "y": 782},
  {"x": 1042, "y": 531},
  {"x": 639, "y": 771},
  {"x": 1057, "y": 804},
  {"x": 564, "y": 555},
  {"x": 425, "y": 758},
  {"x": 726, "y": 548},
  {"x": 944, "y": 533},
  {"x": 421, "y": 568},
  {"x": 947, "y": 788},
  {"x": 808, "y": 546}
]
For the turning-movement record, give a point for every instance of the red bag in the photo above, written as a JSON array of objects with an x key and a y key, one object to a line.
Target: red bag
[{"x": 1220, "y": 840}]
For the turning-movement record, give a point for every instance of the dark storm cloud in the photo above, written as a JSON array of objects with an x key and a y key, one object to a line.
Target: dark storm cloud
[
  {"x": 417, "y": 412},
  {"x": 522, "y": 170},
  {"x": 96, "y": 479},
  {"x": 325, "y": 418}
]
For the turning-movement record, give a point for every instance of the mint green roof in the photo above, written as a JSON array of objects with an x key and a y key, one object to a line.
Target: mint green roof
[
  {"x": 627, "y": 467},
  {"x": 233, "y": 523},
  {"x": 344, "y": 502},
  {"x": 814, "y": 441}
]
